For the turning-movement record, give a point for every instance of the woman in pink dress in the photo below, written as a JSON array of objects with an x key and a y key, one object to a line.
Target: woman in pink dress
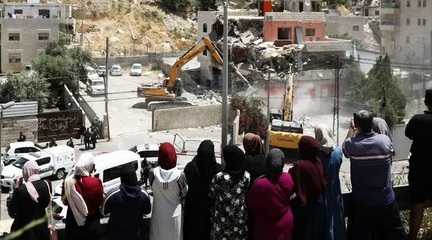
[{"x": 270, "y": 215}]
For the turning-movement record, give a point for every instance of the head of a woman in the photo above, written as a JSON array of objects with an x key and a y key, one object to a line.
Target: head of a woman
[
  {"x": 324, "y": 136},
  {"x": 206, "y": 159},
  {"x": 275, "y": 163},
  {"x": 128, "y": 176},
  {"x": 85, "y": 165},
  {"x": 234, "y": 159},
  {"x": 252, "y": 144},
  {"x": 167, "y": 158},
  {"x": 30, "y": 169},
  {"x": 309, "y": 148}
]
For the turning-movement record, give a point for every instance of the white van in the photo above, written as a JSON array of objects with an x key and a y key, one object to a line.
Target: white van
[
  {"x": 95, "y": 83},
  {"x": 18, "y": 149},
  {"x": 108, "y": 167},
  {"x": 55, "y": 161}
]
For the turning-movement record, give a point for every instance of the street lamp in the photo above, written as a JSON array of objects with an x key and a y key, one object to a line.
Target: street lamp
[{"x": 3, "y": 107}]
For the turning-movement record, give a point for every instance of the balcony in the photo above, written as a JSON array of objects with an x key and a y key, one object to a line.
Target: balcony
[{"x": 390, "y": 8}]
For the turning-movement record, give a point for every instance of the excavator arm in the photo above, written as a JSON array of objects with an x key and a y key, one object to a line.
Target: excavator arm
[{"x": 203, "y": 45}]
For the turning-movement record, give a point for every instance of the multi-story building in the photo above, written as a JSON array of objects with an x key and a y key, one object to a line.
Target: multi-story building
[
  {"x": 302, "y": 5},
  {"x": 27, "y": 28},
  {"x": 406, "y": 27}
]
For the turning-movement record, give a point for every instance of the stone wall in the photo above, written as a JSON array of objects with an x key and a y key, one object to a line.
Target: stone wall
[
  {"x": 127, "y": 61},
  {"x": 13, "y": 126},
  {"x": 187, "y": 117}
]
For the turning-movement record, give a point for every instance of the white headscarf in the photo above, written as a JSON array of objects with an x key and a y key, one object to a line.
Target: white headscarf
[
  {"x": 324, "y": 136},
  {"x": 31, "y": 174},
  {"x": 76, "y": 202}
]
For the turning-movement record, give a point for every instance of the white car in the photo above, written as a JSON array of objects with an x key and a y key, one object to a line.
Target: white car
[
  {"x": 116, "y": 70},
  {"x": 18, "y": 149},
  {"x": 55, "y": 161},
  {"x": 136, "y": 69},
  {"x": 101, "y": 70},
  {"x": 95, "y": 85}
]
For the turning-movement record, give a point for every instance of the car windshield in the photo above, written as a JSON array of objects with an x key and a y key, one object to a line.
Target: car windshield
[
  {"x": 101, "y": 67},
  {"x": 116, "y": 67},
  {"x": 20, "y": 162},
  {"x": 136, "y": 67},
  {"x": 97, "y": 83}
]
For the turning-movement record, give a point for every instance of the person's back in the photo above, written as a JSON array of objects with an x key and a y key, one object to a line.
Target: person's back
[
  {"x": 127, "y": 207},
  {"x": 255, "y": 165},
  {"x": 370, "y": 155},
  {"x": 374, "y": 211}
]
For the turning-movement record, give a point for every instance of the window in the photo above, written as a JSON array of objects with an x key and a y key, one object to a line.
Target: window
[
  {"x": 424, "y": 3},
  {"x": 284, "y": 33},
  {"x": 43, "y": 36},
  {"x": 408, "y": 39},
  {"x": 408, "y": 3},
  {"x": 14, "y": 36},
  {"x": 424, "y": 22},
  {"x": 419, "y": 3},
  {"x": 18, "y": 11},
  {"x": 408, "y": 21},
  {"x": 26, "y": 150},
  {"x": 14, "y": 58},
  {"x": 418, "y": 22},
  {"x": 113, "y": 173},
  {"x": 43, "y": 161},
  {"x": 356, "y": 28},
  {"x": 310, "y": 32},
  {"x": 44, "y": 13},
  {"x": 205, "y": 27},
  {"x": 149, "y": 154}
]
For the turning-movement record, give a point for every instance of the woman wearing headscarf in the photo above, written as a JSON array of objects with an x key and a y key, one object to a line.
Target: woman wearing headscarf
[
  {"x": 269, "y": 205},
  {"x": 380, "y": 126},
  {"x": 168, "y": 184},
  {"x": 331, "y": 159},
  {"x": 29, "y": 201},
  {"x": 127, "y": 207},
  {"x": 228, "y": 192},
  {"x": 83, "y": 194},
  {"x": 255, "y": 161},
  {"x": 310, "y": 183},
  {"x": 199, "y": 173}
]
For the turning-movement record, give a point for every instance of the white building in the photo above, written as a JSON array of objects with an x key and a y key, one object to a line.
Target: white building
[
  {"x": 27, "y": 28},
  {"x": 407, "y": 31}
]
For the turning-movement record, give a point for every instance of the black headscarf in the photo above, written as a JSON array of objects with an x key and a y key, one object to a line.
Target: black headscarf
[
  {"x": 275, "y": 163},
  {"x": 234, "y": 161},
  {"x": 206, "y": 160}
]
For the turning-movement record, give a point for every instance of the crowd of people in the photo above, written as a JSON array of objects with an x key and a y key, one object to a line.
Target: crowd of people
[{"x": 252, "y": 195}]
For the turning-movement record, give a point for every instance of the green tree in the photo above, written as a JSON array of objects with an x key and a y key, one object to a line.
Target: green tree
[
  {"x": 177, "y": 6},
  {"x": 251, "y": 117},
  {"x": 381, "y": 91},
  {"x": 25, "y": 87},
  {"x": 60, "y": 66},
  {"x": 206, "y": 5}
]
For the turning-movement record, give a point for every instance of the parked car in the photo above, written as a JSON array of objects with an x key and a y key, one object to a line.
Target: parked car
[
  {"x": 18, "y": 149},
  {"x": 136, "y": 69},
  {"x": 101, "y": 70},
  {"x": 116, "y": 70},
  {"x": 55, "y": 161},
  {"x": 95, "y": 85}
]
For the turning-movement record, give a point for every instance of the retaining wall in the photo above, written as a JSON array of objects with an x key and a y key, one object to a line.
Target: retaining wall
[
  {"x": 187, "y": 117},
  {"x": 13, "y": 126},
  {"x": 127, "y": 61}
]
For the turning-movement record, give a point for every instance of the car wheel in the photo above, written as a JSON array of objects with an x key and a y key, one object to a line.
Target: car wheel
[{"x": 60, "y": 174}]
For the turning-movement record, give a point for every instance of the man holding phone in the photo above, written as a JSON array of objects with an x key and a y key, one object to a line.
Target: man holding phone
[{"x": 374, "y": 211}]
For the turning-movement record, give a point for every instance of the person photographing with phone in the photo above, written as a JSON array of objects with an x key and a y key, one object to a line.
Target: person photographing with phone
[
  {"x": 374, "y": 211},
  {"x": 28, "y": 203}
]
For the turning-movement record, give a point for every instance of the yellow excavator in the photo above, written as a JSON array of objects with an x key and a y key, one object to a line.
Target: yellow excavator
[
  {"x": 284, "y": 133},
  {"x": 171, "y": 88}
]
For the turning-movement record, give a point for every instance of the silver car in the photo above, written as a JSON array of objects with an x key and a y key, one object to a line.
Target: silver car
[{"x": 116, "y": 70}]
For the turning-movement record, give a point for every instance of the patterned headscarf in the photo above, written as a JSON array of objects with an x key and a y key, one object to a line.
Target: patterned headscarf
[
  {"x": 167, "y": 156},
  {"x": 31, "y": 174}
]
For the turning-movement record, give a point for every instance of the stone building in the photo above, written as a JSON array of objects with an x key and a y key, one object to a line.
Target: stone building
[{"x": 27, "y": 28}]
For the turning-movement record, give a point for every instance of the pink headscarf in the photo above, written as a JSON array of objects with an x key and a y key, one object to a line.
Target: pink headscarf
[{"x": 31, "y": 174}]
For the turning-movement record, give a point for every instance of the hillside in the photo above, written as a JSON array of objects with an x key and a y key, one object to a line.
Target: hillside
[{"x": 134, "y": 27}]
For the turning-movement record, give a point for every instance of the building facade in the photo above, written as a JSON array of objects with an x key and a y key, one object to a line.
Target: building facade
[
  {"x": 27, "y": 28},
  {"x": 406, "y": 27}
]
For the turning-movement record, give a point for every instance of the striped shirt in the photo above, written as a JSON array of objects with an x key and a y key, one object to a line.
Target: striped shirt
[{"x": 370, "y": 156}]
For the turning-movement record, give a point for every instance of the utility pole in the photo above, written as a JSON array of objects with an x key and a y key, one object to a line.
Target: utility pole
[
  {"x": 225, "y": 78},
  {"x": 106, "y": 89},
  {"x": 337, "y": 98}
]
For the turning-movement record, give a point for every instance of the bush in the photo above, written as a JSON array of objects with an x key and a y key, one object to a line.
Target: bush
[{"x": 251, "y": 117}]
